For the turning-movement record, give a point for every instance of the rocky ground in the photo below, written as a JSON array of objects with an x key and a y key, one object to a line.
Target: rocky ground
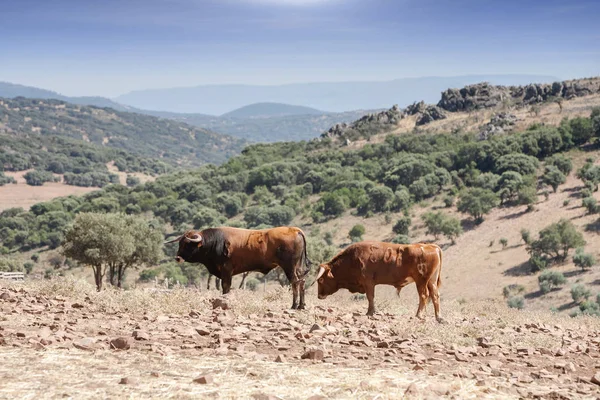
[{"x": 62, "y": 339}]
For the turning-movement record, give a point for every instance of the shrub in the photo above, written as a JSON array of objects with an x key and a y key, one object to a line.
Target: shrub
[
  {"x": 402, "y": 225},
  {"x": 516, "y": 302},
  {"x": 148, "y": 275},
  {"x": 526, "y": 236},
  {"x": 566, "y": 203},
  {"x": 252, "y": 284},
  {"x": 504, "y": 242},
  {"x": 356, "y": 233},
  {"x": 35, "y": 257},
  {"x": 132, "y": 180},
  {"x": 553, "y": 177},
  {"x": 580, "y": 292},
  {"x": 583, "y": 260},
  {"x": 561, "y": 162},
  {"x": 438, "y": 223},
  {"x": 38, "y": 178},
  {"x": 449, "y": 200},
  {"x": 590, "y": 204},
  {"x": 549, "y": 280},
  {"x": 28, "y": 265},
  {"x": 401, "y": 239},
  {"x": 512, "y": 289},
  {"x": 538, "y": 262},
  {"x": 589, "y": 308}
]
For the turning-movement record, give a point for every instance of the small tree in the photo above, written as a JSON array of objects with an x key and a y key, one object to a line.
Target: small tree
[
  {"x": 132, "y": 180},
  {"x": 477, "y": 202},
  {"x": 356, "y": 233},
  {"x": 549, "y": 280},
  {"x": 553, "y": 177},
  {"x": 512, "y": 290},
  {"x": 401, "y": 227},
  {"x": 438, "y": 223},
  {"x": 504, "y": 242},
  {"x": 579, "y": 293},
  {"x": 590, "y": 204},
  {"x": 556, "y": 240},
  {"x": 583, "y": 260}
]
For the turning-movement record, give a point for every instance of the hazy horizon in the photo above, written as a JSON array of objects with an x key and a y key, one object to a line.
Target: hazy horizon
[{"x": 114, "y": 47}]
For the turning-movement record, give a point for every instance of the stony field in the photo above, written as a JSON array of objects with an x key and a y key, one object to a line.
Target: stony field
[{"x": 61, "y": 339}]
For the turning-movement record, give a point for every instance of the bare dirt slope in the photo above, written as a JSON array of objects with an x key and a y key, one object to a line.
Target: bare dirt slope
[
  {"x": 62, "y": 339},
  {"x": 24, "y": 195}
]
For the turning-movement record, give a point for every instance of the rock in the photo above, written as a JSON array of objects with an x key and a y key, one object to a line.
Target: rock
[
  {"x": 127, "y": 381},
  {"x": 264, "y": 396},
  {"x": 5, "y": 296},
  {"x": 280, "y": 358},
  {"x": 411, "y": 390},
  {"x": 21, "y": 334},
  {"x": 155, "y": 374},
  {"x": 596, "y": 378},
  {"x": 220, "y": 303},
  {"x": 140, "y": 335},
  {"x": 313, "y": 354},
  {"x": 77, "y": 305},
  {"x": 84, "y": 344},
  {"x": 430, "y": 114},
  {"x": 204, "y": 379},
  {"x": 194, "y": 314},
  {"x": 317, "y": 397},
  {"x": 120, "y": 343},
  {"x": 461, "y": 357},
  {"x": 315, "y": 327},
  {"x": 202, "y": 331},
  {"x": 494, "y": 364},
  {"x": 439, "y": 389}
]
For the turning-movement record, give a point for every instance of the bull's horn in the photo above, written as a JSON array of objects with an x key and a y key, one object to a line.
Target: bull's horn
[
  {"x": 197, "y": 238},
  {"x": 177, "y": 239},
  {"x": 321, "y": 272}
]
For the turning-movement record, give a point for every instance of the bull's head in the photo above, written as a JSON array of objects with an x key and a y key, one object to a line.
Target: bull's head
[
  {"x": 189, "y": 243},
  {"x": 326, "y": 283}
]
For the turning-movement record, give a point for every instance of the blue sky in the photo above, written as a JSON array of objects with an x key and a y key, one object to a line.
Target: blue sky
[{"x": 109, "y": 47}]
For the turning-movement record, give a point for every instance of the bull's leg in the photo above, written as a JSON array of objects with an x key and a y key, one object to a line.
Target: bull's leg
[
  {"x": 302, "y": 305},
  {"x": 289, "y": 273},
  {"x": 370, "y": 291},
  {"x": 423, "y": 297},
  {"x": 208, "y": 282},
  {"x": 435, "y": 299},
  {"x": 226, "y": 282},
  {"x": 217, "y": 283}
]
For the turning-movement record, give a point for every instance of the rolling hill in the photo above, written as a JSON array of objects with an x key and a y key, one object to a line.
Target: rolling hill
[
  {"x": 268, "y": 110},
  {"x": 170, "y": 141}
]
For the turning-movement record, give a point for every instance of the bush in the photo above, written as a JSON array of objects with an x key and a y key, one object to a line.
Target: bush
[
  {"x": 28, "y": 265},
  {"x": 38, "y": 178},
  {"x": 556, "y": 240},
  {"x": 132, "y": 180},
  {"x": 549, "y": 280},
  {"x": 512, "y": 290},
  {"x": 590, "y": 204},
  {"x": 553, "y": 177},
  {"x": 252, "y": 284},
  {"x": 566, "y": 203},
  {"x": 35, "y": 257},
  {"x": 356, "y": 233},
  {"x": 148, "y": 275},
  {"x": 401, "y": 239},
  {"x": 504, "y": 242},
  {"x": 589, "y": 308},
  {"x": 579, "y": 293},
  {"x": 516, "y": 302},
  {"x": 561, "y": 162},
  {"x": 583, "y": 260},
  {"x": 449, "y": 200},
  {"x": 401, "y": 227},
  {"x": 526, "y": 236},
  {"x": 538, "y": 262}
]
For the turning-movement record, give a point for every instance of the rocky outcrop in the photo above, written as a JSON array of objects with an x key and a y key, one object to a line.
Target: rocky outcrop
[
  {"x": 430, "y": 114},
  {"x": 499, "y": 124},
  {"x": 366, "y": 126},
  {"x": 484, "y": 95}
]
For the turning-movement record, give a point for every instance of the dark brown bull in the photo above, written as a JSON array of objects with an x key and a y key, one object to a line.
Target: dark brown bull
[
  {"x": 227, "y": 251},
  {"x": 363, "y": 265}
]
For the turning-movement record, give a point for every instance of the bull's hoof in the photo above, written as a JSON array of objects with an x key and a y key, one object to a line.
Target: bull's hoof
[
  {"x": 442, "y": 321},
  {"x": 370, "y": 313},
  {"x": 302, "y": 307},
  {"x": 294, "y": 306}
]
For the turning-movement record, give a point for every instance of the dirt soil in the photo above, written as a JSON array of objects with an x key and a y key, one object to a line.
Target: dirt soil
[{"x": 61, "y": 339}]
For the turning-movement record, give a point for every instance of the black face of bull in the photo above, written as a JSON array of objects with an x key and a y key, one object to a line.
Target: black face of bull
[
  {"x": 326, "y": 282},
  {"x": 187, "y": 251}
]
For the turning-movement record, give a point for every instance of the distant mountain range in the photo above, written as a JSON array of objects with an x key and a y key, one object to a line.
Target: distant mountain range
[
  {"x": 275, "y": 113},
  {"x": 332, "y": 97}
]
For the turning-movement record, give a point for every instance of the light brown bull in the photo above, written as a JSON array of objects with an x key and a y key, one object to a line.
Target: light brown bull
[{"x": 362, "y": 266}]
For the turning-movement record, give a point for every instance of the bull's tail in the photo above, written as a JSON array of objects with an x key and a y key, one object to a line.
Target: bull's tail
[
  {"x": 439, "y": 278},
  {"x": 304, "y": 260}
]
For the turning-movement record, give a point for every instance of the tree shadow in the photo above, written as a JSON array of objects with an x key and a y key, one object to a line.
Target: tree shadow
[
  {"x": 567, "y": 306},
  {"x": 515, "y": 214},
  {"x": 523, "y": 269},
  {"x": 535, "y": 295},
  {"x": 593, "y": 226},
  {"x": 575, "y": 272},
  {"x": 596, "y": 282},
  {"x": 468, "y": 224},
  {"x": 514, "y": 246}
]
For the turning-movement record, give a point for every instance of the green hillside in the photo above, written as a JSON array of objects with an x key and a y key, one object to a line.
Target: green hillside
[{"x": 171, "y": 142}]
